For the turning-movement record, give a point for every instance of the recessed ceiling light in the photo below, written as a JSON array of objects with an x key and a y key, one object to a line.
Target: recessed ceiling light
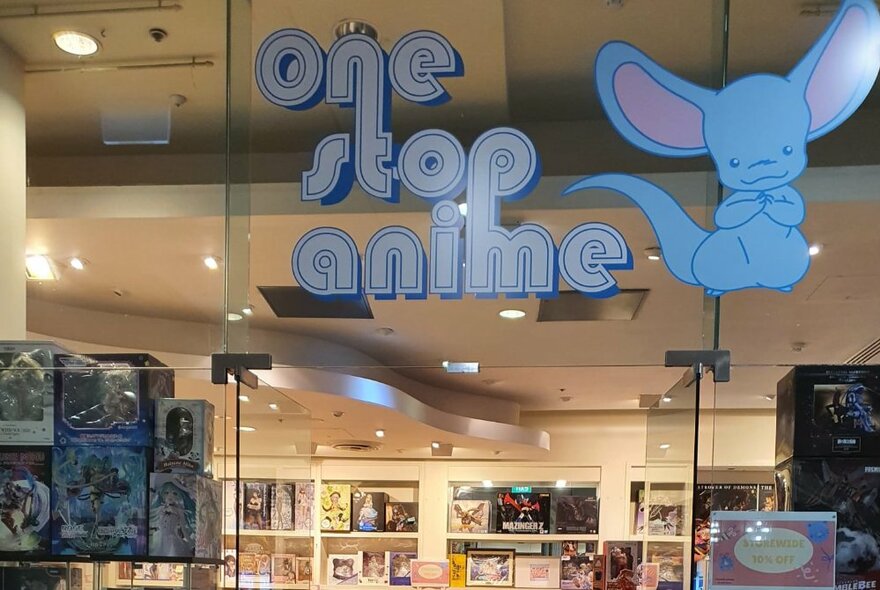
[
  {"x": 665, "y": 446},
  {"x": 462, "y": 208},
  {"x": 666, "y": 399},
  {"x": 769, "y": 398},
  {"x": 815, "y": 249},
  {"x": 461, "y": 367},
  {"x": 273, "y": 407},
  {"x": 211, "y": 262},
  {"x": 248, "y": 311},
  {"x": 653, "y": 253},
  {"x": 39, "y": 268},
  {"x": 244, "y": 398},
  {"x": 245, "y": 428},
  {"x": 76, "y": 43},
  {"x": 435, "y": 445},
  {"x": 487, "y": 483},
  {"x": 380, "y": 433},
  {"x": 77, "y": 263},
  {"x": 561, "y": 483},
  {"x": 512, "y": 314},
  {"x": 234, "y": 317}
]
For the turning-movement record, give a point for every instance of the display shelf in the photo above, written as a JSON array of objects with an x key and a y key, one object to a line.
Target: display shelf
[
  {"x": 665, "y": 539},
  {"x": 269, "y": 533},
  {"x": 519, "y": 538},
  {"x": 270, "y": 585},
  {"x": 363, "y": 535}
]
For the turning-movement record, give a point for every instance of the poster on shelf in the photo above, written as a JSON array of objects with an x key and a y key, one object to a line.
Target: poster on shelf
[
  {"x": 489, "y": 567},
  {"x": 536, "y": 572},
  {"x": 718, "y": 498},
  {"x": 780, "y": 550},
  {"x": 430, "y": 574},
  {"x": 342, "y": 570}
]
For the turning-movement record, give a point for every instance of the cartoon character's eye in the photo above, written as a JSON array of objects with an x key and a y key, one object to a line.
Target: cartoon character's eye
[
  {"x": 734, "y": 163},
  {"x": 788, "y": 150}
]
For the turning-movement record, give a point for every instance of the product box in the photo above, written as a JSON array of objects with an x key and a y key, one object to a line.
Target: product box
[
  {"x": 430, "y": 574},
  {"x": 304, "y": 506},
  {"x": 850, "y": 487},
  {"x": 231, "y": 510},
  {"x": 336, "y": 507},
  {"x": 230, "y": 568},
  {"x": 342, "y": 570},
  {"x": 184, "y": 436},
  {"x": 402, "y": 517},
  {"x": 666, "y": 510},
  {"x": 599, "y": 578},
  {"x": 108, "y": 399},
  {"x": 39, "y": 578},
  {"x": 283, "y": 568},
  {"x": 255, "y": 505},
  {"x": 576, "y": 573},
  {"x": 577, "y": 515},
  {"x": 368, "y": 510},
  {"x": 303, "y": 570},
  {"x": 255, "y": 564},
  {"x": 469, "y": 516},
  {"x": 27, "y": 392},
  {"x": 828, "y": 411},
  {"x": 767, "y": 498},
  {"x": 622, "y": 559},
  {"x": 669, "y": 558},
  {"x": 185, "y": 516},
  {"x": 400, "y": 573},
  {"x": 719, "y": 497},
  {"x": 25, "y": 500},
  {"x": 523, "y": 513},
  {"x": 99, "y": 500},
  {"x": 538, "y": 572},
  {"x": 281, "y": 506},
  {"x": 457, "y": 569},
  {"x": 373, "y": 568}
]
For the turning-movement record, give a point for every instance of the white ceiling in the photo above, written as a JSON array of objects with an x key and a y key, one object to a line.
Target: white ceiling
[{"x": 526, "y": 65}]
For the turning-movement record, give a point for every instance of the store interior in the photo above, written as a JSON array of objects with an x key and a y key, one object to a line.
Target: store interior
[{"x": 183, "y": 231}]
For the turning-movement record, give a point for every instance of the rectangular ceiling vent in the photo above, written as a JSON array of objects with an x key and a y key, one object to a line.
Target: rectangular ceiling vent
[
  {"x": 296, "y": 302},
  {"x": 863, "y": 356},
  {"x": 572, "y": 306}
]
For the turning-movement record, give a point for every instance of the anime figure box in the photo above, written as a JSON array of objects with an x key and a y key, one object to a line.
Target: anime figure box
[
  {"x": 828, "y": 411},
  {"x": 184, "y": 436},
  {"x": 27, "y": 392},
  {"x": 99, "y": 500},
  {"x": 108, "y": 399},
  {"x": 185, "y": 516},
  {"x": 25, "y": 500}
]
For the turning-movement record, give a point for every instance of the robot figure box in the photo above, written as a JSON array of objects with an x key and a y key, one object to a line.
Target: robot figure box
[
  {"x": 368, "y": 510},
  {"x": 25, "y": 500},
  {"x": 99, "y": 501},
  {"x": 184, "y": 436},
  {"x": 523, "y": 513},
  {"x": 184, "y": 516},
  {"x": 827, "y": 411},
  {"x": 108, "y": 399},
  {"x": 27, "y": 392},
  {"x": 577, "y": 515},
  {"x": 469, "y": 516},
  {"x": 850, "y": 487}
]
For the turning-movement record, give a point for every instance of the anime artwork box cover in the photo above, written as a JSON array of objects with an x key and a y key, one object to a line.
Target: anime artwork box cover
[
  {"x": 99, "y": 500},
  {"x": 828, "y": 411},
  {"x": 850, "y": 487},
  {"x": 184, "y": 436},
  {"x": 184, "y": 516},
  {"x": 108, "y": 399},
  {"x": 523, "y": 513},
  {"x": 25, "y": 500},
  {"x": 27, "y": 392},
  {"x": 368, "y": 511}
]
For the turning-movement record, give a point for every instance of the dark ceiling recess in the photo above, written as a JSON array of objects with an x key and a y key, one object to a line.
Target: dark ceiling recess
[
  {"x": 571, "y": 306},
  {"x": 296, "y": 302}
]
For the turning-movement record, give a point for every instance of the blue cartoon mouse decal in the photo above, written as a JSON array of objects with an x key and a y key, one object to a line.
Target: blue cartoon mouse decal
[{"x": 756, "y": 131}]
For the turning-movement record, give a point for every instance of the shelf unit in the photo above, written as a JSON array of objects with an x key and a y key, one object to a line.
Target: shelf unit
[
  {"x": 270, "y": 533},
  {"x": 516, "y": 538},
  {"x": 361, "y": 535}
]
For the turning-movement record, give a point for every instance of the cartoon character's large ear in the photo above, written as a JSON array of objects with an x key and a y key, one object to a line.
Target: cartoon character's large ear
[
  {"x": 839, "y": 70},
  {"x": 653, "y": 109}
]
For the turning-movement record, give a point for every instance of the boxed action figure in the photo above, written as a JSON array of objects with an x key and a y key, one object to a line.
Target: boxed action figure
[
  {"x": 25, "y": 500},
  {"x": 469, "y": 516},
  {"x": 184, "y": 436},
  {"x": 27, "y": 392},
  {"x": 283, "y": 568},
  {"x": 373, "y": 568},
  {"x": 304, "y": 506},
  {"x": 99, "y": 500},
  {"x": 402, "y": 517},
  {"x": 108, "y": 399},
  {"x": 523, "y": 513},
  {"x": 576, "y": 573},
  {"x": 400, "y": 573},
  {"x": 622, "y": 560},
  {"x": 368, "y": 509},
  {"x": 231, "y": 511},
  {"x": 40, "y": 578},
  {"x": 342, "y": 570},
  {"x": 255, "y": 505},
  {"x": 336, "y": 508},
  {"x": 826, "y": 411},
  {"x": 281, "y": 506},
  {"x": 577, "y": 515},
  {"x": 184, "y": 516},
  {"x": 851, "y": 488}
]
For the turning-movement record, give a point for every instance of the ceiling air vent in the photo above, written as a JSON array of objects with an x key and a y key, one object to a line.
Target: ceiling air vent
[
  {"x": 355, "y": 446},
  {"x": 572, "y": 306},
  {"x": 863, "y": 356},
  {"x": 296, "y": 302}
]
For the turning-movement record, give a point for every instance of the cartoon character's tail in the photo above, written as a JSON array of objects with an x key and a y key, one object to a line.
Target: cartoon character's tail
[{"x": 679, "y": 236}]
